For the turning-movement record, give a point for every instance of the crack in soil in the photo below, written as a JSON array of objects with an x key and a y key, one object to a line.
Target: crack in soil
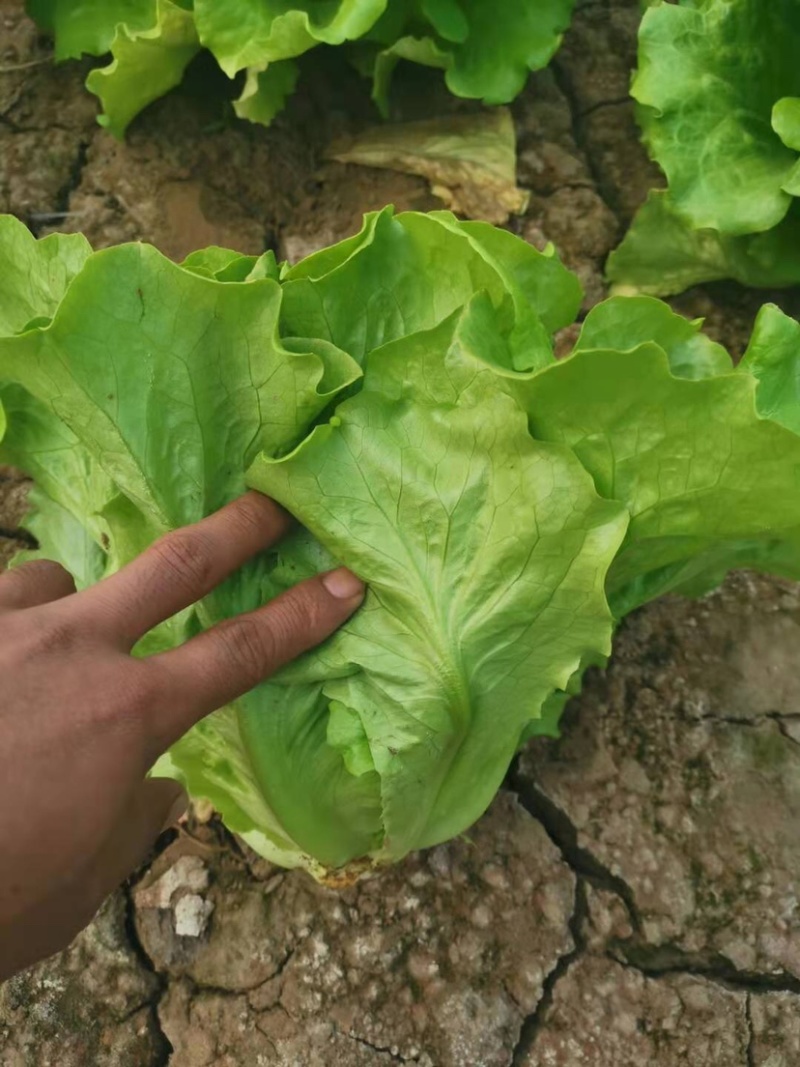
[
  {"x": 562, "y": 832},
  {"x": 659, "y": 961},
  {"x": 742, "y": 720},
  {"x": 780, "y": 721},
  {"x": 562, "y": 79},
  {"x": 587, "y": 111},
  {"x": 533, "y": 1024},
  {"x": 19, "y": 534},
  {"x": 382, "y": 1050},
  {"x": 74, "y": 178},
  {"x": 751, "y": 1034},
  {"x": 164, "y": 1048}
]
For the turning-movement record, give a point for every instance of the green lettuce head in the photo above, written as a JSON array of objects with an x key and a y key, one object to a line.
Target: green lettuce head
[
  {"x": 397, "y": 392},
  {"x": 486, "y": 51},
  {"x": 718, "y": 89}
]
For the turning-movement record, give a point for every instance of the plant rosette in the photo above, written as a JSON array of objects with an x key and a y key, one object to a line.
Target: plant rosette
[{"x": 399, "y": 394}]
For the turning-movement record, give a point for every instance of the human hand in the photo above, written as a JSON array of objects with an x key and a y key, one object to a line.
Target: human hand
[{"x": 82, "y": 721}]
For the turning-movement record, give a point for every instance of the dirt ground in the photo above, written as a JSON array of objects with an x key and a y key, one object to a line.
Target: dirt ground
[{"x": 631, "y": 898}]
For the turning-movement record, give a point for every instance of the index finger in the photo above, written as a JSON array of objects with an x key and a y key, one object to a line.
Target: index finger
[{"x": 181, "y": 568}]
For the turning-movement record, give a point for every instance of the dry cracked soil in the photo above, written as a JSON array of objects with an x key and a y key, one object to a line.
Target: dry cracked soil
[{"x": 631, "y": 897}]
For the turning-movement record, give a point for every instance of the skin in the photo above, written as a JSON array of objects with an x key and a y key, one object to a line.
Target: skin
[{"x": 82, "y": 720}]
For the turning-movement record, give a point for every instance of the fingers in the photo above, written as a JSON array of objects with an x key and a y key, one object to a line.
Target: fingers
[
  {"x": 182, "y": 568},
  {"x": 52, "y": 924},
  {"x": 233, "y": 657},
  {"x": 39, "y": 581}
]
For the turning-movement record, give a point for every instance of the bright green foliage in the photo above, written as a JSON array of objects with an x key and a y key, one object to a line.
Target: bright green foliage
[
  {"x": 146, "y": 65},
  {"x": 719, "y": 92},
  {"x": 662, "y": 254},
  {"x": 486, "y": 51},
  {"x": 398, "y": 392},
  {"x": 478, "y": 544}
]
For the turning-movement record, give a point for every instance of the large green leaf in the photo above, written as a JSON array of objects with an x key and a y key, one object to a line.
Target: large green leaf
[
  {"x": 376, "y": 287},
  {"x": 205, "y": 372},
  {"x": 773, "y": 358},
  {"x": 709, "y": 483},
  {"x": 64, "y": 471},
  {"x": 185, "y": 396},
  {"x": 624, "y": 323},
  {"x": 156, "y": 429},
  {"x": 718, "y": 87},
  {"x": 487, "y": 51},
  {"x": 478, "y": 545}
]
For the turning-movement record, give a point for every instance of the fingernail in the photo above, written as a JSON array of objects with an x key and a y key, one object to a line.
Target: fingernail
[
  {"x": 180, "y": 806},
  {"x": 343, "y": 584}
]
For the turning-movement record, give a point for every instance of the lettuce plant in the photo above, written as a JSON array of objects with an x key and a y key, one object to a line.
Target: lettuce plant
[
  {"x": 397, "y": 392},
  {"x": 485, "y": 50},
  {"x": 718, "y": 89}
]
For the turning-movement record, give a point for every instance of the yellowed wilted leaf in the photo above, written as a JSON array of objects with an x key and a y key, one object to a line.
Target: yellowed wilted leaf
[{"x": 469, "y": 160}]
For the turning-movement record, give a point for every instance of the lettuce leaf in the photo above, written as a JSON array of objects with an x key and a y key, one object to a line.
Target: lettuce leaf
[
  {"x": 146, "y": 64},
  {"x": 217, "y": 373},
  {"x": 399, "y": 393},
  {"x": 710, "y": 484},
  {"x": 502, "y": 44},
  {"x": 470, "y": 161},
  {"x": 35, "y": 274},
  {"x": 663, "y": 254}
]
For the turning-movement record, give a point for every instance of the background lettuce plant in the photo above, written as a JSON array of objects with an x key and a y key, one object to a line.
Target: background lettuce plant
[
  {"x": 485, "y": 50},
  {"x": 718, "y": 89},
  {"x": 398, "y": 392}
]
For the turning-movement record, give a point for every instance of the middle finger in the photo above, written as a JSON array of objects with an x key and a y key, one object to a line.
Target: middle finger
[{"x": 181, "y": 568}]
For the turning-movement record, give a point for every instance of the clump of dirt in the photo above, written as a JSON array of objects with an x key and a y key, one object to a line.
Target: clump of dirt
[
  {"x": 608, "y": 1015},
  {"x": 93, "y": 1004},
  {"x": 565, "y": 207},
  {"x": 46, "y": 122},
  {"x": 184, "y": 183},
  {"x": 713, "y": 685},
  {"x": 675, "y": 789},
  {"x": 436, "y": 961}
]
